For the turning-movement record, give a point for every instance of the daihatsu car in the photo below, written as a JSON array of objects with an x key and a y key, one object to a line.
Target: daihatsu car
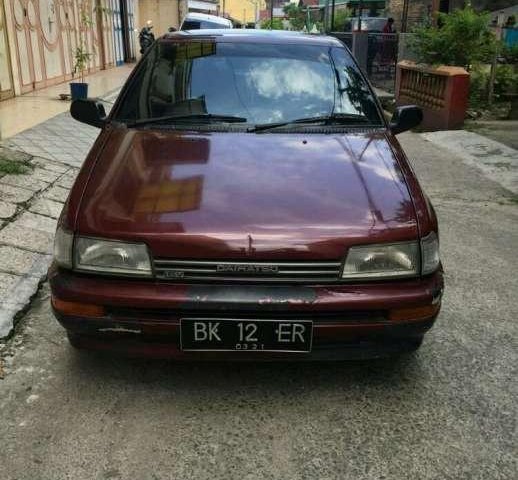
[{"x": 246, "y": 199}]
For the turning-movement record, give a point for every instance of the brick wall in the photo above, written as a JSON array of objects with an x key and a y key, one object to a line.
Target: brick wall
[{"x": 418, "y": 11}]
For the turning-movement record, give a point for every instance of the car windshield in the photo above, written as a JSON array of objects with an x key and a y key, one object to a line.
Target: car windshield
[
  {"x": 254, "y": 83},
  {"x": 370, "y": 24}
]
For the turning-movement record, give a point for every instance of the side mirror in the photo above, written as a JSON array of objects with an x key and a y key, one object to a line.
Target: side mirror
[
  {"x": 405, "y": 118},
  {"x": 89, "y": 111}
]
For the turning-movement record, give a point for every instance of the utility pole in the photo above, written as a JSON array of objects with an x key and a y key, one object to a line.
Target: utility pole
[
  {"x": 494, "y": 60},
  {"x": 326, "y": 16},
  {"x": 435, "y": 11},
  {"x": 404, "y": 19},
  {"x": 271, "y": 14},
  {"x": 333, "y": 16},
  {"x": 360, "y": 8}
]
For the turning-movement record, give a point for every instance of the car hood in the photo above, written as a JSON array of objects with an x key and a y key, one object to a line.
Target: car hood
[{"x": 237, "y": 195}]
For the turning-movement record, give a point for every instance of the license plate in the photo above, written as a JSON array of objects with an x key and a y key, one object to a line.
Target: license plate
[{"x": 201, "y": 334}]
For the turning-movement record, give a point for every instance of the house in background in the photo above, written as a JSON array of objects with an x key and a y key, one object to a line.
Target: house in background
[
  {"x": 242, "y": 12},
  {"x": 278, "y": 9},
  {"x": 169, "y": 13},
  {"x": 38, "y": 40},
  {"x": 506, "y": 13},
  {"x": 163, "y": 13},
  {"x": 508, "y": 18},
  {"x": 369, "y": 8},
  {"x": 212, "y": 7},
  {"x": 419, "y": 11}
]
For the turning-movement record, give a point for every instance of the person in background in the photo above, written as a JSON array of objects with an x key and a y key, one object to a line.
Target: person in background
[
  {"x": 389, "y": 26},
  {"x": 389, "y": 42}
]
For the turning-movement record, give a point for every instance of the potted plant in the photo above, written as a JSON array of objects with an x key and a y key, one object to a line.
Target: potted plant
[{"x": 81, "y": 56}]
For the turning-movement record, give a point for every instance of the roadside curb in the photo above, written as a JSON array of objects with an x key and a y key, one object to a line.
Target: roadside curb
[{"x": 31, "y": 204}]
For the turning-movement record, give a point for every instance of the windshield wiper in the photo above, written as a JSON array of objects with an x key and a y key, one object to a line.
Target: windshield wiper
[
  {"x": 340, "y": 118},
  {"x": 192, "y": 116}
]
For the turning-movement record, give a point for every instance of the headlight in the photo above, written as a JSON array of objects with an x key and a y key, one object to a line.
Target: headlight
[
  {"x": 106, "y": 256},
  {"x": 63, "y": 241},
  {"x": 430, "y": 253},
  {"x": 382, "y": 261}
]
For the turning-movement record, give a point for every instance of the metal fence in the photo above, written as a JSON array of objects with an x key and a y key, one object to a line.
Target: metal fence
[
  {"x": 378, "y": 58},
  {"x": 345, "y": 38}
]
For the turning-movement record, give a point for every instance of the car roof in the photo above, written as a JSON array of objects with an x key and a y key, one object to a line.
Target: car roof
[
  {"x": 206, "y": 16},
  {"x": 253, "y": 35}
]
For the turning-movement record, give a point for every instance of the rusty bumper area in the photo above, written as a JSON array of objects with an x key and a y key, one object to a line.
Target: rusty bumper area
[{"x": 143, "y": 317}]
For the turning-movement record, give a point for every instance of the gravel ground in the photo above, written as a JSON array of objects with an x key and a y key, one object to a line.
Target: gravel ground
[{"x": 446, "y": 412}]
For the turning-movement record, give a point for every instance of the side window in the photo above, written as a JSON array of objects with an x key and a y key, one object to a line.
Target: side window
[
  {"x": 191, "y": 25},
  {"x": 133, "y": 104},
  {"x": 354, "y": 95}
]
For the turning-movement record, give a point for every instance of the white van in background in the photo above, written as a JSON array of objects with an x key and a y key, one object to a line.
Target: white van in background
[{"x": 203, "y": 21}]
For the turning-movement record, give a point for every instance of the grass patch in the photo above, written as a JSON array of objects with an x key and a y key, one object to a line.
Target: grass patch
[
  {"x": 11, "y": 167},
  {"x": 511, "y": 200}
]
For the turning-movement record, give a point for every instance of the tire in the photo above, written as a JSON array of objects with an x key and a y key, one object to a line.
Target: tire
[
  {"x": 75, "y": 340},
  {"x": 411, "y": 344}
]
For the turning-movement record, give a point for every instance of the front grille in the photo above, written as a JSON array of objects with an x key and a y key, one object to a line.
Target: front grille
[{"x": 261, "y": 271}]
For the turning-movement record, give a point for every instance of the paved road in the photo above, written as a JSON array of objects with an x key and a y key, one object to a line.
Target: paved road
[{"x": 447, "y": 412}]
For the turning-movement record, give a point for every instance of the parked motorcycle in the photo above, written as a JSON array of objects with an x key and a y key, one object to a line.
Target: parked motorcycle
[{"x": 146, "y": 38}]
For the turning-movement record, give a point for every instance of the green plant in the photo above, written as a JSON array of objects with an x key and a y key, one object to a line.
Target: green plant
[
  {"x": 463, "y": 38},
  {"x": 296, "y": 15},
  {"x": 510, "y": 54},
  {"x": 11, "y": 167},
  {"x": 319, "y": 25},
  {"x": 81, "y": 54},
  {"x": 506, "y": 80},
  {"x": 82, "y": 57},
  {"x": 275, "y": 25},
  {"x": 105, "y": 10},
  {"x": 342, "y": 17},
  {"x": 478, "y": 82}
]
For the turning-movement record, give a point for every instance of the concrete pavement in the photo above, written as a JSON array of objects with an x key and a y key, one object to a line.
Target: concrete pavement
[
  {"x": 496, "y": 160},
  {"x": 29, "y": 207},
  {"x": 26, "y": 111},
  {"x": 30, "y": 203},
  {"x": 60, "y": 138},
  {"x": 447, "y": 412},
  {"x": 503, "y": 131}
]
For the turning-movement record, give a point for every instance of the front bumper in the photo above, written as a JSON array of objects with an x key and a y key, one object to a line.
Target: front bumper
[{"x": 143, "y": 317}]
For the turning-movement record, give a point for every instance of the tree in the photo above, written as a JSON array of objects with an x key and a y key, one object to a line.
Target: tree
[
  {"x": 342, "y": 16},
  {"x": 463, "y": 39},
  {"x": 276, "y": 24},
  {"x": 296, "y": 15}
]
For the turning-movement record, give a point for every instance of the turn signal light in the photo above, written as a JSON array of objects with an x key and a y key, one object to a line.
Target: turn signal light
[
  {"x": 77, "y": 309},
  {"x": 413, "y": 314}
]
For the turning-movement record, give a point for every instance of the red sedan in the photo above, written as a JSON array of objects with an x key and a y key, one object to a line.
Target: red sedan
[{"x": 246, "y": 199}]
